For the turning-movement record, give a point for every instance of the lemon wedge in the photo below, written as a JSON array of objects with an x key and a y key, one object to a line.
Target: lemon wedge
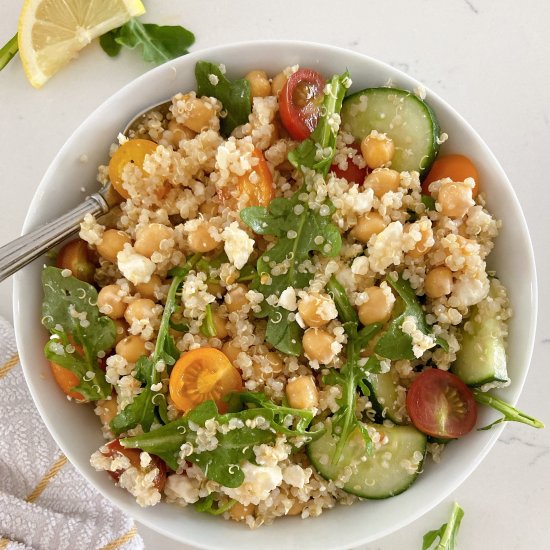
[{"x": 52, "y": 32}]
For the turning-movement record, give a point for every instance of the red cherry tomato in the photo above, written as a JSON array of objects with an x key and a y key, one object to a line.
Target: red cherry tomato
[
  {"x": 353, "y": 174},
  {"x": 114, "y": 447},
  {"x": 441, "y": 405},
  {"x": 300, "y": 102}
]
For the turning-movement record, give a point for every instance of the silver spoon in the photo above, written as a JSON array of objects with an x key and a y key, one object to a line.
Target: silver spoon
[{"x": 25, "y": 249}]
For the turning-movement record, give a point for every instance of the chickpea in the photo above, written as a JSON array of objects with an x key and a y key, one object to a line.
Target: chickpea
[
  {"x": 121, "y": 327},
  {"x": 179, "y": 132},
  {"x": 131, "y": 348},
  {"x": 316, "y": 310},
  {"x": 367, "y": 226},
  {"x": 377, "y": 150},
  {"x": 139, "y": 310},
  {"x": 277, "y": 83},
  {"x": 220, "y": 324},
  {"x": 106, "y": 409},
  {"x": 200, "y": 239},
  {"x": 378, "y": 308},
  {"x": 199, "y": 114},
  {"x": 275, "y": 362},
  {"x": 110, "y": 303},
  {"x": 425, "y": 243},
  {"x": 455, "y": 199},
  {"x": 149, "y": 238},
  {"x": 302, "y": 392},
  {"x": 231, "y": 351},
  {"x": 238, "y": 511},
  {"x": 383, "y": 180},
  {"x": 236, "y": 299},
  {"x": 76, "y": 256},
  {"x": 215, "y": 289},
  {"x": 209, "y": 209},
  {"x": 259, "y": 84},
  {"x": 318, "y": 345},
  {"x": 149, "y": 290},
  {"x": 438, "y": 282},
  {"x": 112, "y": 243}
]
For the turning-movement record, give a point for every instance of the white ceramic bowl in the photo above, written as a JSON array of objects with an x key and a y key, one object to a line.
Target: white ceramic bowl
[{"x": 76, "y": 429}]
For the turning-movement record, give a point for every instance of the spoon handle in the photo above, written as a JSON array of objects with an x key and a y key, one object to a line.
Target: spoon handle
[{"x": 25, "y": 249}]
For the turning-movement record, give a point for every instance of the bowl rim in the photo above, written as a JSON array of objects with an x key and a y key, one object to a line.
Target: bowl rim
[{"x": 30, "y": 223}]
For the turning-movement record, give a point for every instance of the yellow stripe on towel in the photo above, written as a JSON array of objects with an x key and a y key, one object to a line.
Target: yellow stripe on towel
[
  {"x": 117, "y": 543},
  {"x": 5, "y": 368},
  {"x": 43, "y": 483}
]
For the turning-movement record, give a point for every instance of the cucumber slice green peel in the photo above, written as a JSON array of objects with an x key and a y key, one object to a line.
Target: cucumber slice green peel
[{"x": 401, "y": 115}]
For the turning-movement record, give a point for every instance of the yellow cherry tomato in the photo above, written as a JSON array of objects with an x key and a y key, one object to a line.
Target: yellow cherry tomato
[
  {"x": 134, "y": 151},
  {"x": 200, "y": 375}
]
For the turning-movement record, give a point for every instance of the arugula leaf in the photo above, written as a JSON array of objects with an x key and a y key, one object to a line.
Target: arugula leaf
[
  {"x": 282, "y": 218},
  {"x": 159, "y": 43},
  {"x": 428, "y": 201},
  {"x": 208, "y": 505},
  {"x": 395, "y": 344},
  {"x": 239, "y": 433},
  {"x": 353, "y": 372},
  {"x": 511, "y": 414},
  {"x": 234, "y": 94},
  {"x": 447, "y": 533},
  {"x": 8, "y": 51},
  {"x": 317, "y": 150},
  {"x": 70, "y": 313},
  {"x": 149, "y": 403},
  {"x": 208, "y": 328}
]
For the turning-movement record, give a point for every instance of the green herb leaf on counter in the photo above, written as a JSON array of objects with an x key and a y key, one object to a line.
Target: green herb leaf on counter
[
  {"x": 233, "y": 94},
  {"x": 8, "y": 51},
  {"x": 447, "y": 533},
  {"x": 305, "y": 227},
  {"x": 150, "y": 404},
  {"x": 394, "y": 343},
  {"x": 317, "y": 150},
  {"x": 70, "y": 313},
  {"x": 239, "y": 433},
  {"x": 159, "y": 43},
  {"x": 511, "y": 414},
  {"x": 353, "y": 372}
]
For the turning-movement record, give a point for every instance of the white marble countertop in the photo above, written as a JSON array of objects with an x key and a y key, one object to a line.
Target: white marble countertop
[{"x": 490, "y": 60}]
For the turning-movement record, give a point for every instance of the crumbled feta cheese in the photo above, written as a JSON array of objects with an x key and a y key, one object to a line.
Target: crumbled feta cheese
[
  {"x": 238, "y": 245},
  {"x": 360, "y": 266},
  {"x": 287, "y": 299},
  {"x": 135, "y": 267},
  {"x": 180, "y": 488},
  {"x": 258, "y": 482}
]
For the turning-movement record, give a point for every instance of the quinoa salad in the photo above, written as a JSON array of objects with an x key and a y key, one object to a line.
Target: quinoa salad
[{"x": 290, "y": 306}]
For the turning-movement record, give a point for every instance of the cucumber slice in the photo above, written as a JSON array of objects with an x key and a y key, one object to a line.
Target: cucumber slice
[
  {"x": 400, "y": 114},
  {"x": 389, "y": 471},
  {"x": 384, "y": 396},
  {"x": 481, "y": 359}
]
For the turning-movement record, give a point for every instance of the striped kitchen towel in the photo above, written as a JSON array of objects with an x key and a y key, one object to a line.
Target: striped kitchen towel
[{"x": 44, "y": 502}]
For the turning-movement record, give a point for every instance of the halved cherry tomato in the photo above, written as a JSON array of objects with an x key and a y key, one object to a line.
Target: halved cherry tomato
[
  {"x": 353, "y": 174},
  {"x": 66, "y": 380},
  {"x": 133, "y": 150},
  {"x": 300, "y": 102},
  {"x": 133, "y": 455},
  {"x": 257, "y": 183},
  {"x": 441, "y": 405},
  {"x": 202, "y": 374},
  {"x": 456, "y": 167},
  {"x": 76, "y": 256}
]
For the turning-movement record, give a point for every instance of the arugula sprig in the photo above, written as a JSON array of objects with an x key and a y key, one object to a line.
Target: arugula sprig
[
  {"x": 353, "y": 373},
  {"x": 237, "y": 434},
  {"x": 158, "y": 43},
  {"x": 511, "y": 414},
  {"x": 447, "y": 533},
  {"x": 70, "y": 313},
  {"x": 300, "y": 231},
  {"x": 209, "y": 505},
  {"x": 316, "y": 152},
  {"x": 234, "y": 94},
  {"x": 396, "y": 344},
  {"x": 151, "y": 404}
]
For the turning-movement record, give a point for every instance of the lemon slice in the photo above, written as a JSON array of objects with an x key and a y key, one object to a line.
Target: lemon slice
[{"x": 52, "y": 32}]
